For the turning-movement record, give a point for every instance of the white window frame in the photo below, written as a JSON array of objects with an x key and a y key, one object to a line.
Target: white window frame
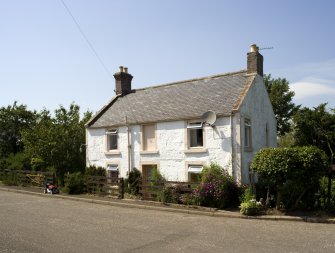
[
  {"x": 247, "y": 134},
  {"x": 196, "y": 125},
  {"x": 193, "y": 169},
  {"x": 112, "y": 167},
  {"x": 109, "y": 133}
]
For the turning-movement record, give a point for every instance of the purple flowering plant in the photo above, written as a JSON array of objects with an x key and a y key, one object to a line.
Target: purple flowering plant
[{"x": 217, "y": 188}]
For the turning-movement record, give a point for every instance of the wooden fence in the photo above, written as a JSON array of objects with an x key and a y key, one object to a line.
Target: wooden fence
[
  {"x": 26, "y": 177},
  {"x": 102, "y": 186},
  {"x": 149, "y": 189},
  {"x": 97, "y": 185}
]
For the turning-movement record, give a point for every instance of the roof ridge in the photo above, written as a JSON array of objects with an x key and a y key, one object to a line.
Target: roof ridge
[{"x": 193, "y": 79}]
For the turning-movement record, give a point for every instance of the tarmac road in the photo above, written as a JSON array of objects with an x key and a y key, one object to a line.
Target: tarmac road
[{"x": 46, "y": 224}]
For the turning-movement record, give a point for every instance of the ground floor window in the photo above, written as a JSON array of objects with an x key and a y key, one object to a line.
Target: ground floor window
[
  {"x": 112, "y": 172},
  {"x": 194, "y": 173}
]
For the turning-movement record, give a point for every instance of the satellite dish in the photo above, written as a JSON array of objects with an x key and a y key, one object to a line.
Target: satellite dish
[{"x": 209, "y": 118}]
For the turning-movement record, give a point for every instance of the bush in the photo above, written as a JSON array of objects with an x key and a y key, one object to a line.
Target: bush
[
  {"x": 171, "y": 193},
  {"x": 293, "y": 173},
  {"x": 322, "y": 202},
  {"x": 95, "y": 171},
  {"x": 74, "y": 183},
  {"x": 38, "y": 164},
  {"x": 217, "y": 188},
  {"x": 249, "y": 205},
  {"x": 132, "y": 183},
  {"x": 9, "y": 178},
  {"x": 18, "y": 161}
]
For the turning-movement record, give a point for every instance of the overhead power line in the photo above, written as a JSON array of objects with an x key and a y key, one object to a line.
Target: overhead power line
[{"x": 86, "y": 39}]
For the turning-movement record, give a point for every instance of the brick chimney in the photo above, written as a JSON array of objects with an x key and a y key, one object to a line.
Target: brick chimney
[
  {"x": 255, "y": 61},
  {"x": 122, "y": 81}
]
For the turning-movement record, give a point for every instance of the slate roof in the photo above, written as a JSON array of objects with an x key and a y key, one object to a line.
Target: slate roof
[{"x": 176, "y": 101}]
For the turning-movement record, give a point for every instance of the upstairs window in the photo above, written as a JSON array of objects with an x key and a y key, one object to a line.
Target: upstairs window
[
  {"x": 112, "y": 137},
  {"x": 247, "y": 133},
  {"x": 195, "y": 134},
  {"x": 148, "y": 137}
]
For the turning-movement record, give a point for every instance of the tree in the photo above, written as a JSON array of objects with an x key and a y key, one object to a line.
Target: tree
[
  {"x": 13, "y": 120},
  {"x": 281, "y": 99},
  {"x": 57, "y": 140},
  {"x": 316, "y": 127}
]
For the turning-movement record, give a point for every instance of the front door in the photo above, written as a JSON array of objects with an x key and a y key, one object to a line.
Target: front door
[{"x": 148, "y": 171}]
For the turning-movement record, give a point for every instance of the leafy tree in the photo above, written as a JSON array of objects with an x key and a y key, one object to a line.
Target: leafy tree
[
  {"x": 316, "y": 127},
  {"x": 18, "y": 161},
  {"x": 287, "y": 140},
  {"x": 14, "y": 119},
  {"x": 281, "y": 99},
  {"x": 57, "y": 140}
]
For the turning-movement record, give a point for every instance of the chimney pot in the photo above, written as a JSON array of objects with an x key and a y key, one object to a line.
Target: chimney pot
[
  {"x": 125, "y": 70},
  {"x": 121, "y": 69},
  {"x": 254, "y": 48}
]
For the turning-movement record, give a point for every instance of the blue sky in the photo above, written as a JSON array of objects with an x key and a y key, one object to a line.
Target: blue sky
[{"x": 46, "y": 62}]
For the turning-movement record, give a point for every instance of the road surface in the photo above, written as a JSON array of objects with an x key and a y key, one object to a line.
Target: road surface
[{"x": 46, "y": 224}]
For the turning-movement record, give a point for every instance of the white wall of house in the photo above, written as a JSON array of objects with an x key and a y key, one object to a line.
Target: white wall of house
[
  {"x": 256, "y": 107},
  {"x": 172, "y": 156}
]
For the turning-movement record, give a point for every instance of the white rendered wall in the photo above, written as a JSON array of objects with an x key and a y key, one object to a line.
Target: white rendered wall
[
  {"x": 257, "y": 107},
  {"x": 171, "y": 158}
]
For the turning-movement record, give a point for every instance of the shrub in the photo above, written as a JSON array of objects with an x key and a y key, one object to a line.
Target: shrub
[
  {"x": 217, "y": 188},
  {"x": 9, "y": 178},
  {"x": 95, "y": 171},
  {"x": 132, "y": 183},
  {"x": 172, "y": 193},
  {"x": 294, "y": 173},
  {"x": 249, "y": 205},
  {"x": 38, "y": 164},
  {"x": 322, "y": 202},
  {"x": 18, "y": 161},
  {"x": 74, "y": 183}
]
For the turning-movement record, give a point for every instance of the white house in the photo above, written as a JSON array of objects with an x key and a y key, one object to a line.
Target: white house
[{"x": 163, "y": 127}]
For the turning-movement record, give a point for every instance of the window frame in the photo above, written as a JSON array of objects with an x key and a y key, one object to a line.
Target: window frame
[
  {"x": 194, "y": 169},
  {"x": 193, "y": 164},
  {"x": 247, "y": 135},
  {"x": 110, "y": 178},
  {"x": 144, "y": 148},
  {"x": 109, "y": 133},
  {"x": 191, "y": 126}
]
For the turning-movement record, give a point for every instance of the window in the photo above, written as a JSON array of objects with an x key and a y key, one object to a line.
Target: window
[
  {"x": 194, "y": 173},
  {"x": 112, "y": 139},
  {"x": 195, "y": 134},
  {"x": 247, "y": 133},
  {"x": 112, "y": 173},
  {"x": 148, "y": 138}
]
